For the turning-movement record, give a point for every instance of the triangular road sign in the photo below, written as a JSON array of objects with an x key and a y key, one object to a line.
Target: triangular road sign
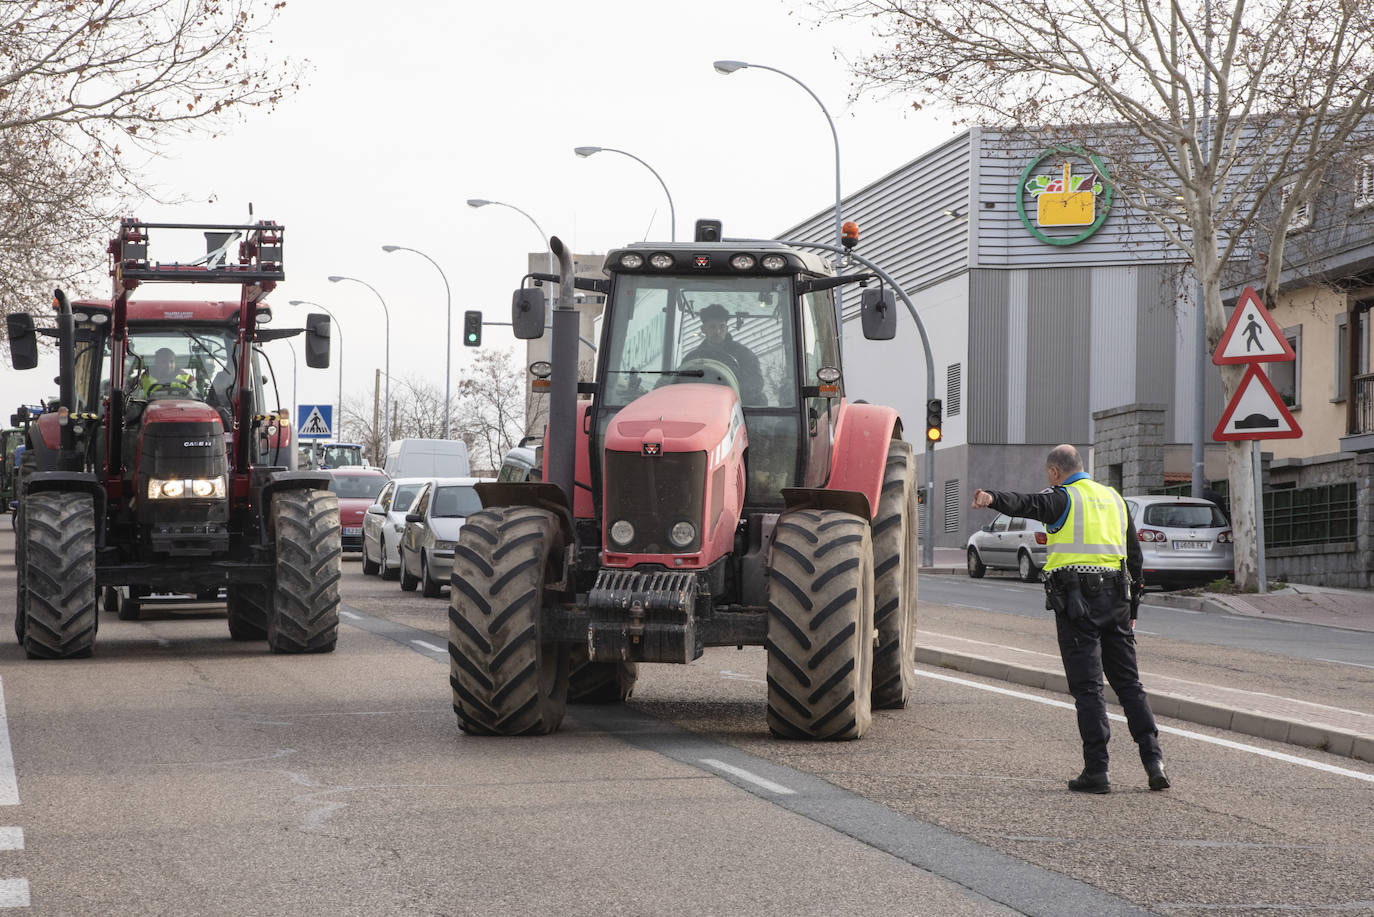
[
  {"x": 314, "y": 424},
  {"x": 1251, "y": 336},
  {"x": 1256, "y": 412}
]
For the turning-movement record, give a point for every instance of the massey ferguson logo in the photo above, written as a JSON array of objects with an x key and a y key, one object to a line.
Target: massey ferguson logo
[{"x": 192, "y": 443}]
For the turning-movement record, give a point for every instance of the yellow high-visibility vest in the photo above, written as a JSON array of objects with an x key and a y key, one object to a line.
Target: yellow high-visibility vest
[{"x": 1094, "y": 532}]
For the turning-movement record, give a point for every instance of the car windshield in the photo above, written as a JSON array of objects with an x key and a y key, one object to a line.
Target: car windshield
[
  {"x": 658, "y": 337},
  {"x": 455, "y": 501},
  {"x": 405, "y": 495},
  {"x": 342, "y": 456},
  {"x": 1184, "y": 516},
  {"x": 357, "y": 486}
]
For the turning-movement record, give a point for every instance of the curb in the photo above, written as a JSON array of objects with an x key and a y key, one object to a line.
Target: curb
[{"x": 1247, "y": 722}]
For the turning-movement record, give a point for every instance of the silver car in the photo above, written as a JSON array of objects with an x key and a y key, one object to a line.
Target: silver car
[
  {"x": 1008, "y": 543},
  {"x": 431, "y": 532},
  {"x": 1182, "y": 540},
  {"x": 385, "y": 522}
]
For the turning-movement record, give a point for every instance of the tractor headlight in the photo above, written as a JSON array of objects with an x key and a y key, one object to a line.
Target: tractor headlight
[
  {"x": 622, "y": 532},
  {"x": 632, "y": 260},
  {"x": 682, "y": 534},
  {"x": 742, "y": 262},
  {"x": 178, "y": 488},
  {"x": 661, "y": 260},
  {"x": 774, "y": 262}
]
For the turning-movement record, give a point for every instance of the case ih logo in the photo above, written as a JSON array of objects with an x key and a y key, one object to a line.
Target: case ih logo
[{"x": 1062, "y": 199}]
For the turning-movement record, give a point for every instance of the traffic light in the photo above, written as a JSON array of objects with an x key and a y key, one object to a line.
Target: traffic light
[
  {"x": 933, "y": 411},
  {"x": 472, "y": 328}
]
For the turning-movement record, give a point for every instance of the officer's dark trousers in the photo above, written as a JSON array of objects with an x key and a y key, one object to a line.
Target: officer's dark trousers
[{"x": 1102, "y": 642}]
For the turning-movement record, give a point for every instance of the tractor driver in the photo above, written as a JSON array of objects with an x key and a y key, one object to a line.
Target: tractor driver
[
  {"x": 163, "y": 377},
  {"x": 720, "y": 346}
]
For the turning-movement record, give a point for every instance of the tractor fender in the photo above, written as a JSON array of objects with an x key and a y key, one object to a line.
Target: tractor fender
[
  {"x": 538, "y": 494},
  {"x": 72, "y": 482},
  {"x": 859, "y": 457},
  {"x": 280, "y": 482}
]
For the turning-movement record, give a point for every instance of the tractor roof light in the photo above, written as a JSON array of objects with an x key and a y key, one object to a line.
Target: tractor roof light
[
  {"x": 541, "y": 369},
  {"x": 632, "y": 260},
  {"x": 743, "y": 262},
  {"x": 773, "y": 262},
  {"x": 660, "y": 261},
  {"x": 849, "y": 234}
]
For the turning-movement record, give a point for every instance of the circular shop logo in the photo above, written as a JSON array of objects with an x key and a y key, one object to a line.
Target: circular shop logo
[{"x": 1061, "y": 200}]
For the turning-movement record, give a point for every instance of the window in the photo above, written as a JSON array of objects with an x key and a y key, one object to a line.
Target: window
[
  {"x": 1341, "y": 362},
  {"x": 1016, "y": 525},
  {"x": 951, "y": 506},
  {"x": 999, "y": 524},
  {"x": 952, "y": 380},
  {"x": 1364, "y": 182},
  {"x": 1302, "y": 215},
  {"x": 385, "y": 497},
  {"x": 1287, "y": 377}
]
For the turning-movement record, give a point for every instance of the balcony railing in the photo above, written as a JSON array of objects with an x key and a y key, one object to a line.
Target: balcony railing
[{"x": 1360, "y": 418}]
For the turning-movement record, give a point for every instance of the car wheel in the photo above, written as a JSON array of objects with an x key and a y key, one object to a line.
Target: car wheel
[
  {"x": 370, "y": 567},
  {"x": 429, "y": 587},
  {"x": 388, "y": 571},
  {"x": 1026, "y": 567},
  {"x": 976, "y": 569},
  {"x": 408, "y": 582}
]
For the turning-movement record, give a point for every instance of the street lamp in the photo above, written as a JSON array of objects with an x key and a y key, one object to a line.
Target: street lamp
[
  {"x": 730, "y": 66},
  {"x": 585, "y": 151},
  {"x": 386, "y": 436},
  {"x": 338, "y": 418},
  {"x": 478, "y": 202},
  {"x": 448, "y": 336}
]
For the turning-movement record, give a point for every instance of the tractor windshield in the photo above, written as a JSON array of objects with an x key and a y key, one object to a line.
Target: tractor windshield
[
  {"x": 729, "y": 330},
  {"x": 179, "y": 362}
]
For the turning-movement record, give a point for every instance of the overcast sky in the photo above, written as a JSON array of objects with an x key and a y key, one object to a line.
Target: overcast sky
[{"x": 412, "y": 107}]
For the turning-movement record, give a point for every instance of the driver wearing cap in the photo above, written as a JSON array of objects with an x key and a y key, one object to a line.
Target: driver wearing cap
[{"x": 718, "y": 345}]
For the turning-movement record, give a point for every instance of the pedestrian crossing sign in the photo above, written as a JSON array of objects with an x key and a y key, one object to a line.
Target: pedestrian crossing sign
[
  {"x": 1252, "y": 336},
  {"x": 314, "y": 421}
]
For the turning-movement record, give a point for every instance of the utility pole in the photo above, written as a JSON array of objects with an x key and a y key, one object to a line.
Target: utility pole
[{"x": 376, "y": 411}]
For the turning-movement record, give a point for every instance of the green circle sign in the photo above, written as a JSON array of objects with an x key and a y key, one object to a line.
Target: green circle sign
[{"x": 1022, "y": 190}]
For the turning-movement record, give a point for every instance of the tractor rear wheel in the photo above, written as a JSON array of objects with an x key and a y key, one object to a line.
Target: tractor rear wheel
[
  {"x": 896, "y": 553},
  {"x": 820, "y": 626},
  {"x": 127, "y": 604},
  {"x": 109, "y": 598},
  {"x": 506, "y": 680},
  {"x": 249, "y": 605},
  {"x": 304, "y": 615},
  {"x": 27, "y": 464},
  {"x": 598, "y": 682},
  {"x": 58, "y": 599}
]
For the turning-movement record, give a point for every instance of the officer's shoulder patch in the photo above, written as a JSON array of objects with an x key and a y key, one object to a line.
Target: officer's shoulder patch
[{"x": 1050, "y": 490}]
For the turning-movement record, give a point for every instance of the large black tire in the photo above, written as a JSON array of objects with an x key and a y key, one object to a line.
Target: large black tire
[
  {"x": 896, "y": 562},
  {"x": 249, "y": 605},
  {"x": 128, "y": 606},
  {"x": 27, "y": 464},
  {"x": 109, "y": 598},
  {"x": 430, "y": 588},
  {"x": 820, "y": 626},
  {"x": 506, "y": 680},
  {"x": 59, "y": 600},
  {"x": 598, "y": 682},
  {"x": 304, "y": 616}
]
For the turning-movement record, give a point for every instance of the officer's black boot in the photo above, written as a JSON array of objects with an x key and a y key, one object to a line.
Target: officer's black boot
[
  {"x": 1158, "y": 779},
  {"x": 1090, "y": 783}
]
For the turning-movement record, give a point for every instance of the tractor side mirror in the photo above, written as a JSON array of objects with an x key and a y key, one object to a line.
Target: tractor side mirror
[
  {"x": 23, "y": 340},
  {"x": 317, "y": 331},
  {"x": 879, "y": 314},
  {"x": 527, "y": 313}
]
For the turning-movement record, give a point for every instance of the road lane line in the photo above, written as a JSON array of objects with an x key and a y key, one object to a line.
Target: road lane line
[
  {"x": 9, "y": 786},
  {"x": 11, "y": 838},
  {"x": 349, "y": 614},
  {"x": 1185, "y": 733},
  {"x": 1341, "y": 662},
  {"x": 743, "y": 774},
  {"x": 14, "y": 892},
  {"x": 430, "y": 646}
]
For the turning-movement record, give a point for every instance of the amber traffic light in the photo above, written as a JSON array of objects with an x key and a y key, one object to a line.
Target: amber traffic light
[{"x": 933, "y": 411}]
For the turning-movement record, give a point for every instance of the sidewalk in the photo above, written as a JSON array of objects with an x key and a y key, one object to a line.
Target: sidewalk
[{"x": 1334, "y": 729}]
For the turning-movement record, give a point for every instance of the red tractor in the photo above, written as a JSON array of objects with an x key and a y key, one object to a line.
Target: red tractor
[
  {"x": 716, "y": 489},
  {"x": 162, "y": 470}
]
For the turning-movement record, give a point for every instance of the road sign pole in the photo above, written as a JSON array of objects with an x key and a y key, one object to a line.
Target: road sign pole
[{"x": 1259, "y": 519}]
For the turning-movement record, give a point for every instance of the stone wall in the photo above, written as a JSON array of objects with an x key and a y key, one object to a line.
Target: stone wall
[
  {"x": 1349, "y": 564},
  {"x": 1128, "y": 448}
]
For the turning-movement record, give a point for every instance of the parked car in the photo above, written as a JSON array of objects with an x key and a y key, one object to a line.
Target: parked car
[
  {"x": 383, "y": 524},
  {"x": 431, "y": 532},
  {"x": 1183, "y": 540},
  {"x": 357, "y": 489},
  {"x": 1008, "y": 543},
  {"x": 433, "y": 458}
]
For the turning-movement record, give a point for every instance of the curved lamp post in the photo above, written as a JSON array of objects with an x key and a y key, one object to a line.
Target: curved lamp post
[
  {"x": 585, "y": 151},
  {"x": 448, "y": 337},
  {"x": 386, "y": 437},
  {"x": 478, "y": 202},
  {"x": 338, "y": 418}
]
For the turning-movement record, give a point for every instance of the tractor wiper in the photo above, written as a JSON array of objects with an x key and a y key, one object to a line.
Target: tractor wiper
[{"x": 697, "y": 373}]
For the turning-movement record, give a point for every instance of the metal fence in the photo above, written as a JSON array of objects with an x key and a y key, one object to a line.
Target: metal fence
[{"x": 1312, "y": 515}]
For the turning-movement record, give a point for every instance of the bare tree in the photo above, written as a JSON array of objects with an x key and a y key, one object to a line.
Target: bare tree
[
  {"x": 492, "y": 407},
  {"x": 1220, "y": 117},
  {"x": 88, "y": 91}
]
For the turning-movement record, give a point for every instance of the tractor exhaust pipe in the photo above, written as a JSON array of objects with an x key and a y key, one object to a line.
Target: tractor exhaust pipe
[{"x": 563, "y": 383}]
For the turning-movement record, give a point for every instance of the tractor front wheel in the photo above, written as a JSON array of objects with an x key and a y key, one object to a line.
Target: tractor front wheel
[
  {"x": 58, "y": 597},
  {"x": 598, "y": 682},
  {"x": 896, "y": 561},
  {"x": 249, "y": 606},
  {"x": 506, "y": 679},
  {"x": 304, "y": 616},
  {"x": 820, "y": 626}
]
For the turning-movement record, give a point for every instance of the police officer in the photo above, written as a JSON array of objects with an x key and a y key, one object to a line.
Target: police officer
[{"x": 1093, "y": 559}]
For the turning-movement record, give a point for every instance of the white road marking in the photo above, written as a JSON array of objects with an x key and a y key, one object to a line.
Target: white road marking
[
  {"x": 743, "y": 774},
  {"x": 9, "y": 786},
  {"x": 1185, "y": 733},
  {"x": 349, "y": 614},
  {"x": 1342, "y": 662},
  {"x": 11, "y": 838},
  {"x": 14, "y": 892},
  {"x": 430, "y": 646}
]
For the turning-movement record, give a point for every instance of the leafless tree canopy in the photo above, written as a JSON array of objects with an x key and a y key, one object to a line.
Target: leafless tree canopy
[
  {"x": 88, "y": 89},
  {"x": 1219, "y": 118}
]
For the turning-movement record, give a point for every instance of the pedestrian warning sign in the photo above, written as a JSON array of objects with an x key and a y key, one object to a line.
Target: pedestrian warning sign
[
  {"x": 1256, "y": 412},
  {"x": 314, "y": 421},
  {"x": 1251, "y": 336}
]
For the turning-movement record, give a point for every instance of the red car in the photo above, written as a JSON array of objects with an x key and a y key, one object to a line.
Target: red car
[{"x": 357, "y": 489}]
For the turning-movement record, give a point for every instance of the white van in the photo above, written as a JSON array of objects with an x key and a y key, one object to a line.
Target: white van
[{"x": 427, "y": 458}]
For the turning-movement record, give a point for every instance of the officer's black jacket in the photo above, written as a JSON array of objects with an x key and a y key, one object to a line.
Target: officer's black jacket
[{"x": 1051, "y": 506}]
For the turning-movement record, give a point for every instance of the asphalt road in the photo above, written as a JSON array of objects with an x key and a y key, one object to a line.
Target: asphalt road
[{"x": 177, "y": 772}]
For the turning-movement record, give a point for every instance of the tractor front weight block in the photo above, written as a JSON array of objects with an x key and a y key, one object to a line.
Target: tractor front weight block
[{"x": 643, "y": 617}]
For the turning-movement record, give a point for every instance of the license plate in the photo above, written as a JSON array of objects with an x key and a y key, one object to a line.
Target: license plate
[
  {"x": 1192, "y": 545},
  {"x": 353, "y": 530}
]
